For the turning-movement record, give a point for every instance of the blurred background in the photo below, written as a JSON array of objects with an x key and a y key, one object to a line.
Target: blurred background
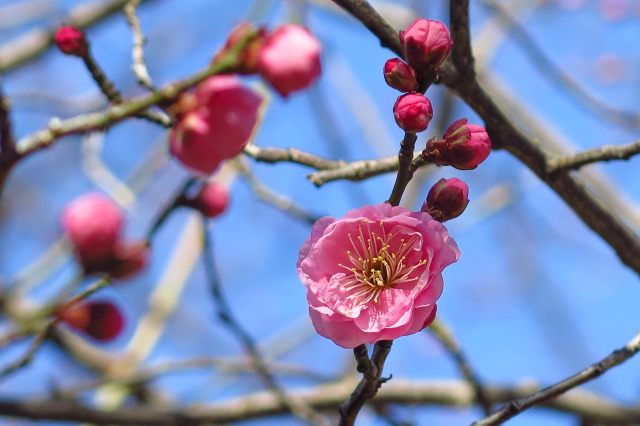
[{"x": 534, "y": 298}]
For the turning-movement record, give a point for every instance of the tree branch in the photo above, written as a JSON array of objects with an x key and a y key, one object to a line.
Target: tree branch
[
  {"x": 36, "y": 42},
  {"x": 593, "y": 155},
  {"x": 517, "y": 406},
  {"x": 457, "y": 394}
]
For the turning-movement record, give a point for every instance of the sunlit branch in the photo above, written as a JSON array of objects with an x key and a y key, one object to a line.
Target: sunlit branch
[
  {"x": 457, "y": 394},
  {"x": 593, "y": 155},
  {"x": 139, "y": 40}
]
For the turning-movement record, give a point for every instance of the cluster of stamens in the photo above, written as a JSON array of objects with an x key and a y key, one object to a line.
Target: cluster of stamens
[{"x": 373, "y": 268}]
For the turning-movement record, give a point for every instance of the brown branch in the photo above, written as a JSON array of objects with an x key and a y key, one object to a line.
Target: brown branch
[
  {"x": 517, "y": 406},
  {"x": 371, "y": 19},
  {"x": 370, "y": 382},
  {"x": 593, "y": 155},
  {"x": 454, "y": 394},
  {"x": 116, "y": 113},
  {"x": 32, "y": 44},
  {"x": 461, "y": 54},
  {"x": 405, "y": 157}
]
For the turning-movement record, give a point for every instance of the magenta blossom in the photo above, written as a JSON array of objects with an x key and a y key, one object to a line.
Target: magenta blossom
[
  {"x": 447, "y": 199},
  {"x": 289, "y": 59},
  {"x": 214, "y": 123},
  {"x": 400, "y": 76},
  {"x": 375, "y": 274}
]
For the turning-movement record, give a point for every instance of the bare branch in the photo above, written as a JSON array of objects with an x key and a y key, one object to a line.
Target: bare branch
[
  {"x": 457, "y": 394},
  {"x": 139, "y": 40},
  {"x": 291, "y": 155},
  {"x": 35, "y": 42},
  {"x": 512, "y": 408},
  {"x": 593, "y": 155},
  {"x": 116, "y": 113}
]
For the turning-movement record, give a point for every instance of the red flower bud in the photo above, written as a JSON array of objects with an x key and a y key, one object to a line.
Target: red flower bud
[
  {"x": 214, "y": 123},
  {"x": 447, "y": 199},
  {"x": 93, "y": 223},
  {"x": 290, "y": 59},
  {"x": 464, "y": 146},
  {"x": 71, "y": 41},
  {"x": 100, "y": 320},
  {"x": 413, "y": 112},
  {"x": 248, "y": 57},
  {"x": 212, "y": 200},
  {"x": 400, "y": 76},
  {"x": 425, "y": 44}
]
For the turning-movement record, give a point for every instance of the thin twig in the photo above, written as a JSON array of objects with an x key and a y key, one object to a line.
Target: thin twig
[
  {"x": 517, "y": 406},
  {"x": 291, "y": 155},
  {"x": 296, "y": 407},
  {"x": 32, "y": 44},
  {"x": 273, "y": 198},
  {"x": 139, "y": 40},
  {"x": 116, "y": 113},
  {"x": 593, "y": 155},
  {"x": 166, "y": 211},
  {"x": 445, "y": 336},
  {"x": 28, "y": 356}
]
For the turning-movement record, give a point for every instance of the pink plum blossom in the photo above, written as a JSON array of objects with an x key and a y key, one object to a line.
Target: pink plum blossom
[
  {"x": 289, "y": 59},
  {"x": 93, "y": 223},
  {"x": 375, "y": 274},
  {"x": 214, "y": 124},
  {"x": 425, "y": 44}
]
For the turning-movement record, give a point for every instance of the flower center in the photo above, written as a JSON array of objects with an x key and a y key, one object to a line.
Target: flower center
[{"x": 377, "y": 262}]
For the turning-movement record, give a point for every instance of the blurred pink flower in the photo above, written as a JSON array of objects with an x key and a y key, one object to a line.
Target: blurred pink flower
[
  {"x": 212, "y": 200},
  {"x": 290, "y": 59},
  {"x": 214, "y": 123},
  {"x": 93, "y": 223},
  {"x": 375, "y": 274}
]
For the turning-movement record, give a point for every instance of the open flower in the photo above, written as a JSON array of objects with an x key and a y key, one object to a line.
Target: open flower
[{"x": 375, "y": 274}]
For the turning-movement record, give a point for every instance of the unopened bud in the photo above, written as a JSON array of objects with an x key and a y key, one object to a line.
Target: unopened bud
[
  {"x": 100, "y": 320},
  {"x": 464, "y": 146},
  {"x": 413, "y": 112},
  {"x": 248, "y": 58},
  {"x": 400, "y": 76},
  {"x": 71, "y": 41},
  {"x": 425, "y": 44},
  {"x": 447, "y": 199},
  {"x": 212, "y": 200}
]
